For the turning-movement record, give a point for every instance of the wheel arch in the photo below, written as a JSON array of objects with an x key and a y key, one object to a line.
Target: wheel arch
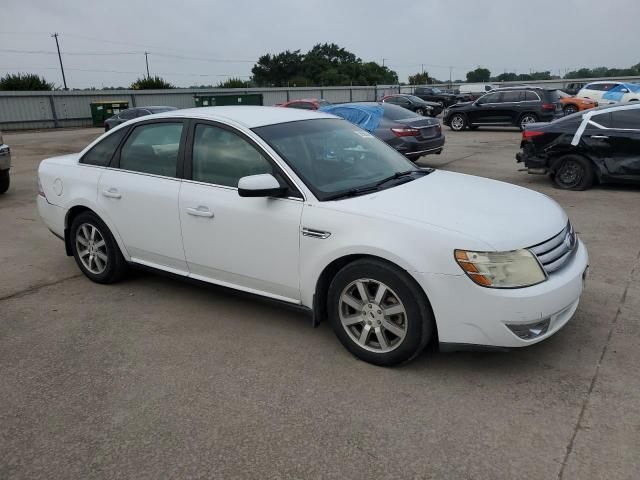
[
  {"x": 74, "y": 211},
  {"x": 328, "y": 273}
]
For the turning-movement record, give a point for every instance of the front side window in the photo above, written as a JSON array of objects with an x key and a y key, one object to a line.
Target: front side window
[
  {"x": 152, "y": 148},
  {"x": 101, "y": 154},
  {"x": 221, "y": 157},
  {"x": 333, "y": 156},
  {"x": 490, "y": 98},
  {"x": 626, "y": 119}
]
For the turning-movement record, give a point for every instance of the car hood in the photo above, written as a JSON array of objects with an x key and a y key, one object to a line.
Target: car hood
[
  {"x": 503, "y": 216},
  {"x": 460, "y": 105}
]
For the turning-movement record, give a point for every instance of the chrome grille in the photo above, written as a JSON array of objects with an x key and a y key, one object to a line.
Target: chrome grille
[{"x": 556, "y": 251}]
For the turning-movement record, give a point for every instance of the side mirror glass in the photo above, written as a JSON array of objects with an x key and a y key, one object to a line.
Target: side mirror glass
[{"x": 264, "y": 185}]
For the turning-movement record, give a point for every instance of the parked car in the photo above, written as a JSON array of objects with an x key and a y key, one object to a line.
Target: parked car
[
  {"x": 433, "y": 94},
  {"x": 608, "y": 150},
  {"x": 573, "y": 104},
  {"x": 415, "y": 104},
  {"x": 573, "y": 88},
  {"x": 516, "y": 106},
  {"x": 308, "y": 209},
  {"x": 609, "y": 93},
  {"x": 409, "y": 133},
  {"x": 5, "y": 165},
  {"x": 131, "y": 113},
  {"x": 306, "y": 104}
]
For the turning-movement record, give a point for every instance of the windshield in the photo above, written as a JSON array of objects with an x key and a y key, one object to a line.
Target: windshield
[
  {"x": 396, "y": 112},
  {"x": 333, "y": 156},
  {"x": 437, "y": 90}
]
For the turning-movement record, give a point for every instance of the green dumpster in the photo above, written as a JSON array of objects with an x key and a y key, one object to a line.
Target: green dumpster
[
  {"x": 100, "y": 111},
  {"x": 220, "y": 100}
]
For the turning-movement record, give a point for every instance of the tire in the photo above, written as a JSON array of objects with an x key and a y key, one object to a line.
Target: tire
[
  {"x": 573, "y": 172},
  {"x": 441, "y": 103},
  {"x": 570, "y": 109},
  {"x": 457, "y": 122},
  {"x": 107, "y": 265},
  {"x": 420, "y": 111},
  {"x": 390, "y": 339},
  {"x": 526, "y": 118},
  {"x": 5, "y": 181}
]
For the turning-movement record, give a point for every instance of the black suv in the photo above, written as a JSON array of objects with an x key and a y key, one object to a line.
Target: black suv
[
  {"x": 432, "y": 94},
  {"x": 509, "y": 106},
  {"x": 415, "y": 104}
]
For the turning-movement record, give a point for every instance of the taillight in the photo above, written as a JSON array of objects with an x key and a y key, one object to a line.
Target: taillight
[
  {"x": 405, "y": 132},
  {"x": 548, "y": 106},
  {"x": 529, "y": 134}
]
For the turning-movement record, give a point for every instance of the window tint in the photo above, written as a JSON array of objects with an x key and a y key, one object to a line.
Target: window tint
[
  {"x": 152, "y": 148},
  {"x": 511, "y": 96},
  {"x": 603, "y": 119},
  {"x": 395, "y": 112},
  {"x": 103, "y": 151},
  {"x": 530, "y": 96},
  {"x": 222, "y": 157},
  {"x": 626, "y": 119},
  {"x": 128, "y": 114},
  {"x": 490, "y": 98}
]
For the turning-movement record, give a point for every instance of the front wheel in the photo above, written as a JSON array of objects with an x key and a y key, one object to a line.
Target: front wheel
[
  {"x": 420, "y": 111},
  {"x": 573, "y": 173},
  {"x": 4, "y": 181},
  {"x": 570, "y": 109},
  {"x": 379, "y": 313},
  {"x": 95, "y": 250},
  {"x": 458, "y": 122}
]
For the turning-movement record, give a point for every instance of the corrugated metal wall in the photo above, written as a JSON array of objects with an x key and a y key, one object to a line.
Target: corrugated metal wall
[{"x": 25, "y": 110}]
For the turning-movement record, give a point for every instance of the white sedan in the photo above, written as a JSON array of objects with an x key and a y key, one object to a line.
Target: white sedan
[{"x": 308, "y": 209}]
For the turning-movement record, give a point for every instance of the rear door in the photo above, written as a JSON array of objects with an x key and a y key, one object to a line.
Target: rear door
[
  {"x": 621, "y": 143},
  {"x": 139, "y": 193}
]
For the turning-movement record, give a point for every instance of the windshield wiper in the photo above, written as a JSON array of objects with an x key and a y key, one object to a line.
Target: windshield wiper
[{"x": 406, "y": 173}]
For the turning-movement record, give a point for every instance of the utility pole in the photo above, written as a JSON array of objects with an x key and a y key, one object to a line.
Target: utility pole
[
  {"x": 146, "y": 59},
  {"x": 383, "y": 61},
  {"x": 450, "y": 76},
  {"x": 64, "y": 80}
]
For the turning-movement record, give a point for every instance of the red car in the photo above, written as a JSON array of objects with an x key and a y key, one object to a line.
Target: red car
[{"x": 306, "y": 103}]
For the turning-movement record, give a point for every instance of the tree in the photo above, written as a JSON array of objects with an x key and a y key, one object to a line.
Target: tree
[
  {"x": 151, "y": 83},
  {"x": 419, "y": 79},
  {"x": 479, "y": 75},
  {"x": 276, "y": 70},
  {"x": 24, "y": 81},
  {"x": 233, "y": 83}
]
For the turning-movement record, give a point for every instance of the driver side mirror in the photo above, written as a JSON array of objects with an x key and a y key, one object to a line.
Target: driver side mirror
[
  {"x": 624, "y": 90},
  {"x": 264, "y": 185}
]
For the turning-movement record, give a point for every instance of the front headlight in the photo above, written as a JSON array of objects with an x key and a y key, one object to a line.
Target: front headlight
[{"x": 518, "y": 268}]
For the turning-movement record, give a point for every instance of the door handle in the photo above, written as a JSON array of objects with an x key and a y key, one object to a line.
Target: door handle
[
  {"x": 201, "y": 211},
  {"x": 600, "y": 137},
  {"x": 111, "y": 193}
]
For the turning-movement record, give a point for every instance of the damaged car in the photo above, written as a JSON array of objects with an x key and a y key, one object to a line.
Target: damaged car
[{"x": 600, "y": 145}]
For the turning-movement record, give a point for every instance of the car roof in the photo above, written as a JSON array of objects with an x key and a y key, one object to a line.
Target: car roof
[
  {"x": 247, "y": 116},
  {"x": 599, "y": 82}
]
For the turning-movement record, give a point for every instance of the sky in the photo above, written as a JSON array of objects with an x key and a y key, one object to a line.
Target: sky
[{"x": 195, "y": 42}]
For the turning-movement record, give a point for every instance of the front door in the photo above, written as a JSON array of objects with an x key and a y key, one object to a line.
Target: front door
[
  {"x": 486, "y": 109},
  {"x": 140, "y": 195},
  {"x": 247, "y": 243}
]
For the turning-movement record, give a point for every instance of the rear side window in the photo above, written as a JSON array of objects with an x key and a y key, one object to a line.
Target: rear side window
[
  {"x": 102, "y": 153},
  {"x": 552, "y": 95},
  {"x": 129, "y": 114},
  {"x": 152, "y": 148},
  {"x": 530, "y": 96},
  {"x": 511, "y": 96},
  {"x": 626, "y": 119}
]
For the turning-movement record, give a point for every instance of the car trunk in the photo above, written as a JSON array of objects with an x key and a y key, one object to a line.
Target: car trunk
[{"x": 429, "y": 127}]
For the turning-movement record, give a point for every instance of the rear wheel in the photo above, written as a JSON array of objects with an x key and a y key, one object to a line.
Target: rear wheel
[
  {"x": 570, "y": 109},
  {"x": 527, "y": 118},
  {"x": 458, "y": 122},
  {"x": 95, "y": 250},
  {"x": 379, "y": 313},
  {"x": 573, "y": 173},
  {"x": 4, "y": 181}
]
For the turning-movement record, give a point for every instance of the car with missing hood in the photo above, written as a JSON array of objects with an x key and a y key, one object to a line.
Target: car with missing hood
[
  {"x": 308, "y": 209},
  {"x": 601, "y": 145}
]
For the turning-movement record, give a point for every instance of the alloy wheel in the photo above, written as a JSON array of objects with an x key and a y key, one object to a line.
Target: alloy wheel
[
  {"x": 91, "y": 248},
  {"x": 373, "y": 315},
  {"x": 527, "y": 119},
  {"x": 457, "y": 122}
]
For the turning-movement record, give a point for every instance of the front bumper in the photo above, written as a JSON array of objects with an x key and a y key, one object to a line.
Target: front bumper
[
  {"x": 468, "y": 314},
  {"x": 5, "y": 157}
]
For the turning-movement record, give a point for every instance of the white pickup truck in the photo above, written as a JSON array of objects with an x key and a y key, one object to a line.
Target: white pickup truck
[{"x": 5, "y": 165}]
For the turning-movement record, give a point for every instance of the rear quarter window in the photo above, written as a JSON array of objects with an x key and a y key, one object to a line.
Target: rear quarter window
[{"x": 102, "y": 152}]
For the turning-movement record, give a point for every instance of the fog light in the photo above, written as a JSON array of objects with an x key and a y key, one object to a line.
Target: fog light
[{"x": 529, "y": 331}]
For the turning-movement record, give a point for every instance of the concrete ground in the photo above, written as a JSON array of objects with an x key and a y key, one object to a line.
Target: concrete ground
[{"x": 156, "y": 378}]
